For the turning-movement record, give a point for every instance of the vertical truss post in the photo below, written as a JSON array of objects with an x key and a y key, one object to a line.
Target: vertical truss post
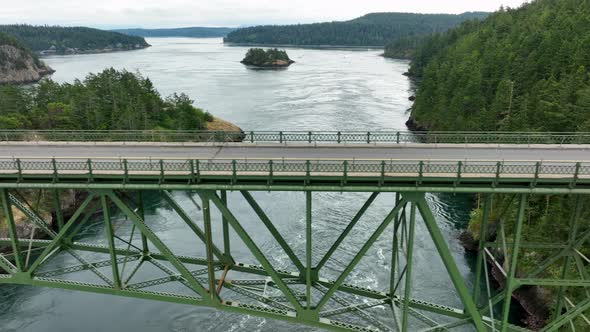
[
  {"x": 394, "y": 263},
  {"x": 141, "y": 212},
  {"x": 166, "y": 252},
  {"x": 394, "y": 251},
  {"x": 11, "y": 229},
  {"x": 190, "y": 223},
  {"x": 573, "y": 232},
  {"x": 409, "y": 256},
  {"x": 308, "y": 248},
  {"x": 368, "y": 244},
  {"x": 513, "y": 260},
  {"x": 449, "y": 262},
  {"x": 225, "y": 225},
  {"x": 255, "y": 250},
  {"x": 481, "y": 258},
  {"x": 57, "y": 208},
  {"x": 110, "y": 233},
  {"x": 209, "y": 245}
]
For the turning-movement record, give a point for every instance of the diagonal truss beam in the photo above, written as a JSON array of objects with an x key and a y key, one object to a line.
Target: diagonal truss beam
[
  {"x": 57, "y": 240},
  {"x": 7, "y": 265},
  {"x": 361, "y": 253},
  {"x": 254, "y": 249},
  {"x": 166, "y": 252},
  {"x": 449, "y": 263},
  {"x": 347, "y": 230},
  {"x": 274, "y": 231},
  {"x": 7, "y": 207},
  {"x": 190, "y": 223}
]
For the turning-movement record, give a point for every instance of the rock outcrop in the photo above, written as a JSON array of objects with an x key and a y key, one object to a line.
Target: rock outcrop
[{"x": 18, "y": 66}]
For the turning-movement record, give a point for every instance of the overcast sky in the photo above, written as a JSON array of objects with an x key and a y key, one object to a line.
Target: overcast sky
[{"x": 176, "y": 13}]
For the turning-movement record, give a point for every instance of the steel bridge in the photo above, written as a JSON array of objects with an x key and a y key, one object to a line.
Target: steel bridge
[{"x": 114, "y": 171}]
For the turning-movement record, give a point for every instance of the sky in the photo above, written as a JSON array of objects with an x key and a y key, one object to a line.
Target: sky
[{"x": 230, "y": 13}]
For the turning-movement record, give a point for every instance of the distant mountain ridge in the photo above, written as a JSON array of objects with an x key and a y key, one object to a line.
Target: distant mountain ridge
[
  {"x": 193, "y": 32},
  {"x": 49, "y": 40},
  {"x": 375, "y": 29}
]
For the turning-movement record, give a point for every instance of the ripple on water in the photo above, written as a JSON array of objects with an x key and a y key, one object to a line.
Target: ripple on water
[{"x": 324, "y": 90}]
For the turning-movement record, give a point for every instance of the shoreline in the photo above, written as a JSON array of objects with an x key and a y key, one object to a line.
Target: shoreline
[
  {"x": 90, "y": 52},
  {"x": 320, "y": 47}
]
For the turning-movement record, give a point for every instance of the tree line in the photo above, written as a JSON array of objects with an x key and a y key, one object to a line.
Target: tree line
[
  {"x": 40, "y": 38},
  {"x": 110, "y": 100},
  {"x": 522, "y": 69},
  {"x": 377, "y": 29},
  {"x": 192, "y": 32}
]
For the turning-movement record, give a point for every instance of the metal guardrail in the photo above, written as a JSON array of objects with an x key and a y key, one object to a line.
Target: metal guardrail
[
  {"x": 290, "y": 167},
  {"x": 391, "y": 137}
]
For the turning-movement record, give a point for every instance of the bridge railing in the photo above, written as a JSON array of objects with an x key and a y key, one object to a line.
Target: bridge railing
[
  {"x": 290, "y": 167},
  {"x": 336, "y": 137}
]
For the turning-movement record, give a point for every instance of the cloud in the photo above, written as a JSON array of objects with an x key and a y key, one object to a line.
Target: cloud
[{"x": 173, "y": 13}]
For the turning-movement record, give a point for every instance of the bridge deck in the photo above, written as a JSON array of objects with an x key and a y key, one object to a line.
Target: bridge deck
[
  {"x": 449, "y": 168},
  {"x": 457, "y": 152}
]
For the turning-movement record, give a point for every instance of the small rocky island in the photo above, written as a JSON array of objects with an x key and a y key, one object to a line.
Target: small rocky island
[{"x": 271, "y": 58}]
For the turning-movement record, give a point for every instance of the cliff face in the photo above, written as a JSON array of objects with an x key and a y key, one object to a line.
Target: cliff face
[{"x": 18, "y": 66}]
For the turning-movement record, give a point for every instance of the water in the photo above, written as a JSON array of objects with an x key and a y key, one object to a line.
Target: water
[{"x": 324, "y": 90}]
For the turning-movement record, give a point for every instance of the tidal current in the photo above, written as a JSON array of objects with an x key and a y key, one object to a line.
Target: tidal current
[{"x": 324, "y": 90}]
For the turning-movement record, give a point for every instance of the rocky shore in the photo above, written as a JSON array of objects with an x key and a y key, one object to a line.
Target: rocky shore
[
  {"x": 19, "y": 67},
  {"x": 533, "y": 300}
]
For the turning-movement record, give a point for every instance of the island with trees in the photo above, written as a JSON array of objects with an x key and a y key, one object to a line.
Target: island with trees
[
  {"x": 55, "y": 40},
  {"x": 271, "y": 58}
]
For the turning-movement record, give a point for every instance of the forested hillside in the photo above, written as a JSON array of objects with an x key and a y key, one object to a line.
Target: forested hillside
[
  {"x": 377, "y": 29},
  {"x": 111, "y": 100},
  {"x": 62, "y": 40},
  {"x": 520, "y": 69},
  {"x": 524, "y": 69},
  {"x": 193, "y": 32}
]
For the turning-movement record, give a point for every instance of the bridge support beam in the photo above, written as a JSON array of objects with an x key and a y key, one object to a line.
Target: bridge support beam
[
  {"x": 450, "y": 265},
  {"x": 263, "y": 289}
]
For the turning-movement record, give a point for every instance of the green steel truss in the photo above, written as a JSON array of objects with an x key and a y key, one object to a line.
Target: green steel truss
[
  {"x": 391, "y": 137},
  {"x": 304, "y": 295}
]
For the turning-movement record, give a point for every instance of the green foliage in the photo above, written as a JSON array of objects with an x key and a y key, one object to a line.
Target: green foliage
[
  {"x": 110, "y": 100},
  {"x": 39, "y": 38},
  {"x": 192, "y": 32},
  {"x": 260, "y": 57},
  {"x": 520, "y": 69},
  {"x": 377, "y": 29},
  {"x": 11, "y": 41}
]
